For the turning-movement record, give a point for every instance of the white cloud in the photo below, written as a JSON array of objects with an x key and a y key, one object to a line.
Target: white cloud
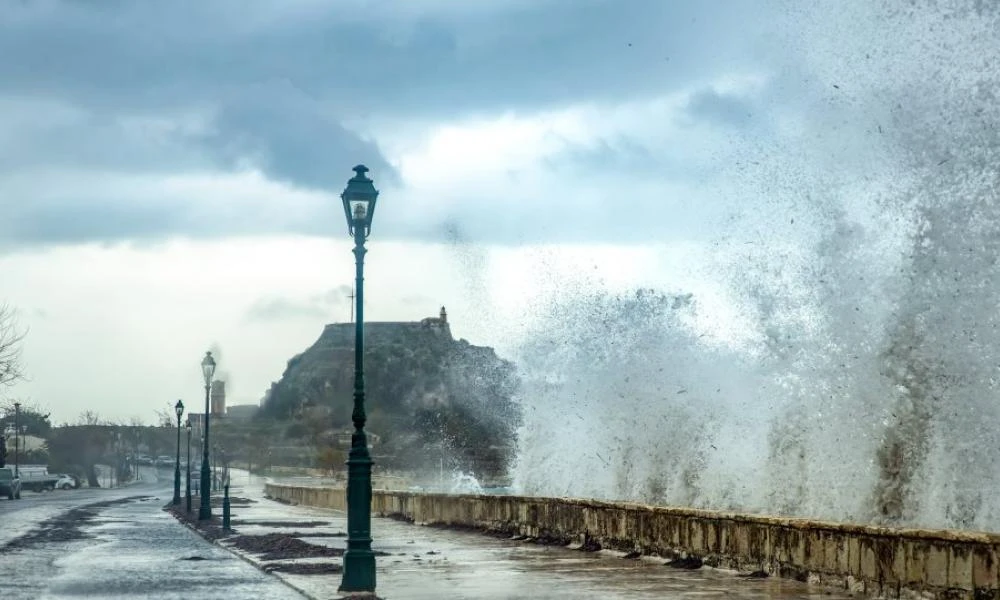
[
  {"x": 120, "y": 329},
  {"x": 446, "y": 154}
]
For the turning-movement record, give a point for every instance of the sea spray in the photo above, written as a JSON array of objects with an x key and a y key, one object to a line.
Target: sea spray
[{"x": 860, "y": 253}]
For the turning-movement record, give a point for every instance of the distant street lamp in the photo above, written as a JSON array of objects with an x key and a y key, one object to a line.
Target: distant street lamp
[
  {"x": 359, "y": 561},
  {"x": 187, "y": 484},
  {"x": 17, "y": 433},
  {"x": 205, "y": 510},
  {"x": 179, "y": 409},
  {"x": 215, "y": 467}
]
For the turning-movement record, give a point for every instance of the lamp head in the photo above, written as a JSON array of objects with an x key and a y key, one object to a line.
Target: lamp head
[
  {"x": 208, "y": 368},
  {"x": 359, "y": 199}
]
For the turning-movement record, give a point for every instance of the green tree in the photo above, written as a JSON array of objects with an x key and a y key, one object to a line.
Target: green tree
[
  {"x": 33, "y": 419},
  {"x": 79, "y": 448}
]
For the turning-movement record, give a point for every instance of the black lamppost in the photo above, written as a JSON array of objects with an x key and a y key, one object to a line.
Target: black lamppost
[
  {"x": 359, "y": 561},
  {"x": 205, "y": 510},
  {"x": 179, "y": 409},
  {"x": 17, "y": 433},
  {"x": 187, "y": 483}
]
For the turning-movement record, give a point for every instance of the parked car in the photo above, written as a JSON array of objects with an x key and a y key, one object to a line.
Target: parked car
[
  {"x": 10, "y": 484},
  {"x": 66, "y": 482}
]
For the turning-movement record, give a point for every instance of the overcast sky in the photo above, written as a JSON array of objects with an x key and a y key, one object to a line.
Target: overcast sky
[{"x": 169, "y": 171}]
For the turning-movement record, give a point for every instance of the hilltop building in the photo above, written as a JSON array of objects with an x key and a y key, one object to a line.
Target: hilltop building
[{"x": 218, "y": 398}]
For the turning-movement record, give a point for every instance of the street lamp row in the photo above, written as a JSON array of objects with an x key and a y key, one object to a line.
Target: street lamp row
[
  {"x": 359, "y": 199},
  {"x": 205, "y": 488}
]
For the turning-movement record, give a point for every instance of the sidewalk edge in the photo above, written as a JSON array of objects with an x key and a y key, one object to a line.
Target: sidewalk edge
[{"x": 246, "y": 558}]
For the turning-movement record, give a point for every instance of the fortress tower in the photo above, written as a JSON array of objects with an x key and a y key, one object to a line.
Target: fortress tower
[
  {"x": 439, "y": 323},
  {"x": 218, "y": 398}
]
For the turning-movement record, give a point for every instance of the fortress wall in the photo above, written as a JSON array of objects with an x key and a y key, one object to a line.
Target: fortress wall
[{"x": 876, "y": 561}]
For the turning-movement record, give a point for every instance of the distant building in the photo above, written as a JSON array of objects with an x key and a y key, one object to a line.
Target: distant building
[
  {"x": 196, "y": 418},
  {"x": 441, "y": 321},
  {"x": 218, "y": 397},
  {"x": 26, "y": 443}
]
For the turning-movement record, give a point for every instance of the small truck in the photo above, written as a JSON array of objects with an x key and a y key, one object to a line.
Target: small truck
[{"x": 36, "y": 478}]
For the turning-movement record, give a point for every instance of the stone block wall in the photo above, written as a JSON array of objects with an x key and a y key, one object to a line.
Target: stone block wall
[{"x": 876, "y": 561}]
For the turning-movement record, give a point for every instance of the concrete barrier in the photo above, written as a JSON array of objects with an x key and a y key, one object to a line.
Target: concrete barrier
[{"x": 877, "y": 561}]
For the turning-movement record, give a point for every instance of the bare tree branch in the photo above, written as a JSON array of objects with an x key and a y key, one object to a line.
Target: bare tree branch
[
  {"x": 165, "y": 416},
  {"x": 11, "y": 336},
  {"x": 92, "y": 418}
]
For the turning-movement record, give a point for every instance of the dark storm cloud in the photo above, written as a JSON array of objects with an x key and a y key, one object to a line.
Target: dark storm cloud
[
  {"x": 359, "y": 61},
  {"x": 290, "y": 139},
  {"x": 281, "y": 86}
]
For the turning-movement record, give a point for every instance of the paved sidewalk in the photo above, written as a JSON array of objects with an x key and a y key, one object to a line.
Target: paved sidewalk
[
  {"x": 127, "y": 547},
  {"x": 426, "y": 563}
]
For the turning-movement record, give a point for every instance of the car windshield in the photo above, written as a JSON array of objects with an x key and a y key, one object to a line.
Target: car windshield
[{"x": 5, "y": 475}]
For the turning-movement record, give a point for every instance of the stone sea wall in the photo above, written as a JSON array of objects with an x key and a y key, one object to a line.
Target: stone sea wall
[{"x": 876, "y": 561}]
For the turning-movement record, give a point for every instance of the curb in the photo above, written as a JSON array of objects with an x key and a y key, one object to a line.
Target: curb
[{"x": 246, "y": 558}]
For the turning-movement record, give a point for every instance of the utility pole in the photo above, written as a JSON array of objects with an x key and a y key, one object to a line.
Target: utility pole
[
  {"x": 17, "y": 440},
  {"x": 352, "y": 296}
]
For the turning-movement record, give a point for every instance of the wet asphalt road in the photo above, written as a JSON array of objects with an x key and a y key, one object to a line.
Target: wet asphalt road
[
  {"x": 116, "y": 543},
  {"x": 17, "y": 517}
]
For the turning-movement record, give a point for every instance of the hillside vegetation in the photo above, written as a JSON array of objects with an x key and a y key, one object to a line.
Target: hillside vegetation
[{"x": 431, "y": 400}]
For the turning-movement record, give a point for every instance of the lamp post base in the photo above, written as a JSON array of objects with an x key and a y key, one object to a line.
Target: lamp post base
[
  {"x": 359, "y": 571},
  {"x": 177, "y": 486},
  {"x": 205, "y": 491},
  {"x": 359, "y": 560}
]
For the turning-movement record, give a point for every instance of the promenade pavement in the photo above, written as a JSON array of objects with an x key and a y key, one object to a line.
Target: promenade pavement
[{"x": 426, "y": 563}]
